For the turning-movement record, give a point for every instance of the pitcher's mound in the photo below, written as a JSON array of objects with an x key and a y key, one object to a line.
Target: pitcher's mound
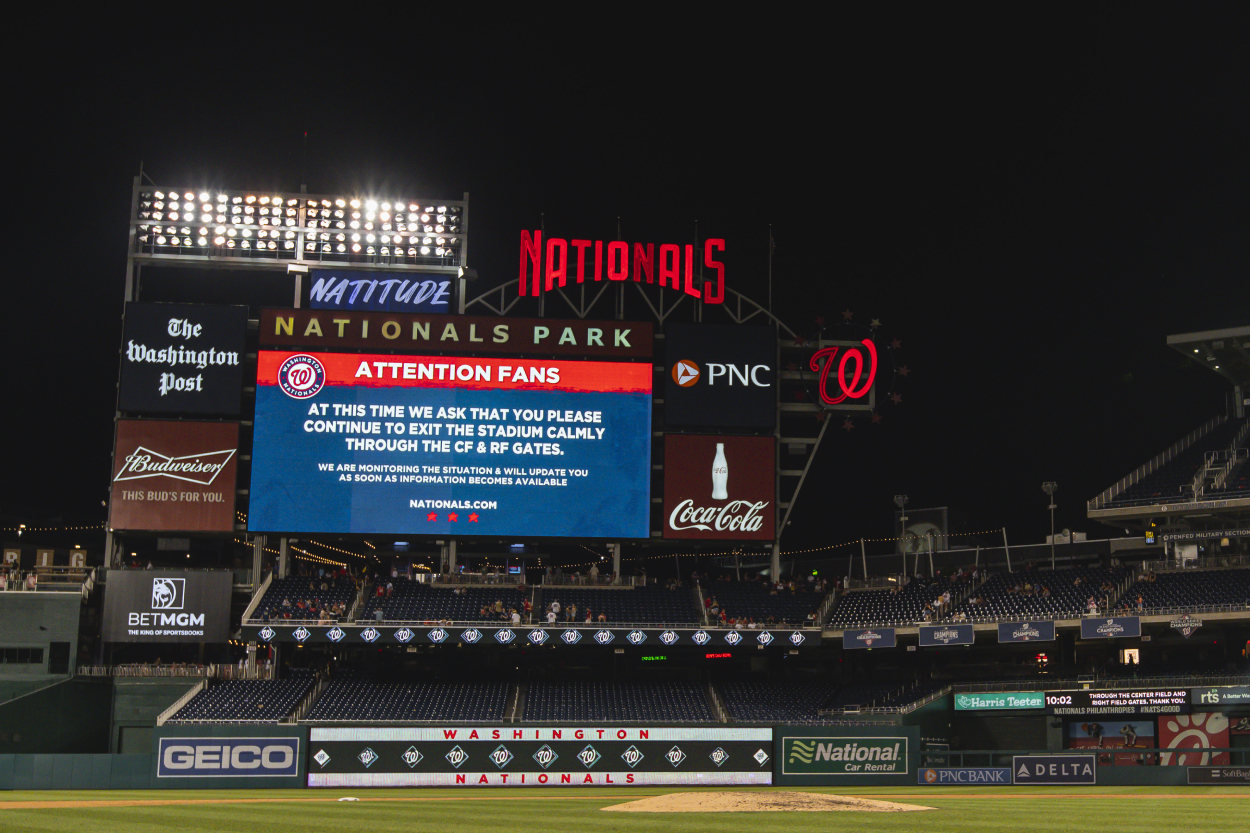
[{"x": 753, "y": 802}]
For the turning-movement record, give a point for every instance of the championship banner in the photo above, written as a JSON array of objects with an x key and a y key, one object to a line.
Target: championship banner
[
  {"x": 428, "y": 445},
  {"x": 1026, "y": 631},
  {"x": 868, "y": 638},
  {"x": 1110, "y": 627},
  {"x": 538, "y": 756},
  {"x": 938, "y": 635}
]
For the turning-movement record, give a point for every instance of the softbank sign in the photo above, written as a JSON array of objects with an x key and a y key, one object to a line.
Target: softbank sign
[{"x": 228, "y": 757}]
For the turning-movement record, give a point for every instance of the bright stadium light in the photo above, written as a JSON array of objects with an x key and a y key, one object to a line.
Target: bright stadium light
[{"x": 407, "y": 234}]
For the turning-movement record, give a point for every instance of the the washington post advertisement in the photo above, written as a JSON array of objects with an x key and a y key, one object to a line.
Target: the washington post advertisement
[{"x": 362, "y": 443}]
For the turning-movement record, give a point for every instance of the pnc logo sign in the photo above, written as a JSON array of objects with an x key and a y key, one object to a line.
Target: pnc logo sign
[{"x": 686, "y": 373}]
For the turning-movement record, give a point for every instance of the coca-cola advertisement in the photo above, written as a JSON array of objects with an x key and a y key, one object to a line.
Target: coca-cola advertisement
[
  {"x": 719, "y": 487},
  {"x": 174, "y": 476}
]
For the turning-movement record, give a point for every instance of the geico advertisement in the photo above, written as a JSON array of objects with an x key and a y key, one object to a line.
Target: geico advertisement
[
  {"x": 174, "y": 476},
  {"x": 538, "y": 756},
  {"x": 468, "y": 446},
  {"x": 720, "y": 375},
  {"x": 228, "y": 757},
  {"x": 167, "y": 606},
  {"x": 719, "y": 487}
]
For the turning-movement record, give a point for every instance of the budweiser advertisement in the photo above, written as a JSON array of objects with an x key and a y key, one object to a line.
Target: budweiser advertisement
[
  {"x": 174, "y": 476},
  {"x": 719, "y": 487}
]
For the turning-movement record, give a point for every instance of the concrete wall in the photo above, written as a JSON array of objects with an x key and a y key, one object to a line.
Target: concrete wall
[
  {"x": 69, "y": 716},
  {"x": 36, "y": 620},
  {"x": 137, "y": 701}
]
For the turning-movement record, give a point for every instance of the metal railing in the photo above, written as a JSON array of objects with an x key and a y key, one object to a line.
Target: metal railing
[
  {"x": 306, "y": 702},
  {"x": 1154, "y": 464},
  {"x": 1096, "y": 683},
  {"x": 257, "y": 596},
  {"x": 180, "y": 702}
]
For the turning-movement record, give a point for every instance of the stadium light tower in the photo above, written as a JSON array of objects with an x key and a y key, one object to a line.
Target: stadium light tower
[
  {"x": 901, "y": 502},
  {"x": 1049, "y": 488}
]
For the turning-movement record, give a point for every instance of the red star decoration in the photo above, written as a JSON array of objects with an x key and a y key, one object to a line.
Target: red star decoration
[
  {"x": 821, "y": 416},
  {"x": 903, "y": 371},
  {"x": 876, "y": 418},
  {"x": 791, "y": 366},
  {"x": 896, "y": 398},
  {"x": 800, "y": 395},
  {"x": 473, "y": 517},
  {"x": 800, "y": 341},
  {"x": 820, "y": 321},
  {"x": 433, "y": 516},
  {"x": 453, "y": 517},
  {"x": 847, "y": 314},
  {"x": 848, "y": 425},
  {"x": 896, "y": 344}
]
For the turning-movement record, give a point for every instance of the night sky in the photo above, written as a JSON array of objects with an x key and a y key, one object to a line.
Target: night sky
[{"x": 1031, "y": 201}]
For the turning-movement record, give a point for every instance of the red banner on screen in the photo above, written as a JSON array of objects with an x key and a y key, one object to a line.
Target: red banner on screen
[{"x": 295, "y": 374}]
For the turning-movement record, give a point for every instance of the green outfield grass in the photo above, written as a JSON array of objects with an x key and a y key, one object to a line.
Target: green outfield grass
[{"x": 556, "y": 810}]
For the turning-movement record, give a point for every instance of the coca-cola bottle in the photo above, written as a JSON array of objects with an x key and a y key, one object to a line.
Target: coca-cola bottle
[{"x": 720, "y": 474}]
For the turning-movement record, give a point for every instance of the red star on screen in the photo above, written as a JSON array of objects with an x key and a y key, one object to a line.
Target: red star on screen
[
  {"x": 472, "y": 517},
  {"x": 433, "y": 516},
  {"x": 453, "y": 517}
]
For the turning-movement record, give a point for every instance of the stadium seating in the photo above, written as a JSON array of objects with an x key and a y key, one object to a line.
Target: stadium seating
[
  {"x": 1191, "y": 589},
  {"x": 356, "y": 697},
  {"x": 884, "y": 608},
  {"x": 763, "y": 701},
  {"x": 1172, "y": 481},
  {"x": 745, "y": 599},
  {"x": 246, "y": 701},
  {"x": 306, "y": 589},
  {"x": 633, "y": 605},
  {"x": 1067, "y": 598},
  {"x": 602, "y": 702},
  {"x": 414, "y": 601}
]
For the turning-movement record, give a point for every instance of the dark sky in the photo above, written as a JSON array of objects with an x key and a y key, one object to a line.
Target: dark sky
[{"x": 1031, "y": 200}]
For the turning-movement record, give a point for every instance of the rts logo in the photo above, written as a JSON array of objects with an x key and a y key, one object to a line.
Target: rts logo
[{"x": 168, "y": 593}]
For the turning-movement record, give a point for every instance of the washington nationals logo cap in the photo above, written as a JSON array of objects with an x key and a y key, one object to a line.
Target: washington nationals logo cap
[{"x": 301, "y": 376}]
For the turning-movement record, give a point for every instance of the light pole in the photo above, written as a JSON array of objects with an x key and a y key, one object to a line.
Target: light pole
[
  {"x": 1049, "y": 488},
  {"x": 901, "y": 502}
]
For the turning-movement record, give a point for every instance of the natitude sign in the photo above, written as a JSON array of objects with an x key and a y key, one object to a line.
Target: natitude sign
[
  {"x": 174, "y": 476},
  {"x": 719, "y": 487}
]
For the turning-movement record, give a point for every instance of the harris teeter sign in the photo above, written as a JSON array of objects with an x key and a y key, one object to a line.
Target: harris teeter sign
[{"x": 1000, "y": 700}]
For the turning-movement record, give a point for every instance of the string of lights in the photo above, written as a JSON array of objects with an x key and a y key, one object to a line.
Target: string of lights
[{"x": 24, "y": 528}]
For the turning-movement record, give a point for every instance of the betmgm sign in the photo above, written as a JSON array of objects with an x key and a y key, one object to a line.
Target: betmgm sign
[{"x": 167, "y": 606}]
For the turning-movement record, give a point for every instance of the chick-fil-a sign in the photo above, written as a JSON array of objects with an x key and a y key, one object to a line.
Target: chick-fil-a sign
[
  {"x": 864, "y": 365},
  {"x": 563, "y": 262}
]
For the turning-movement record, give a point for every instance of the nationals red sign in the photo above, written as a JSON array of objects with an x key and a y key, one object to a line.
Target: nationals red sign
[
  {"x": 562, "y": 262},
  {"x": 719, "y": 487},
  {"x": 174, "y": 476}
]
